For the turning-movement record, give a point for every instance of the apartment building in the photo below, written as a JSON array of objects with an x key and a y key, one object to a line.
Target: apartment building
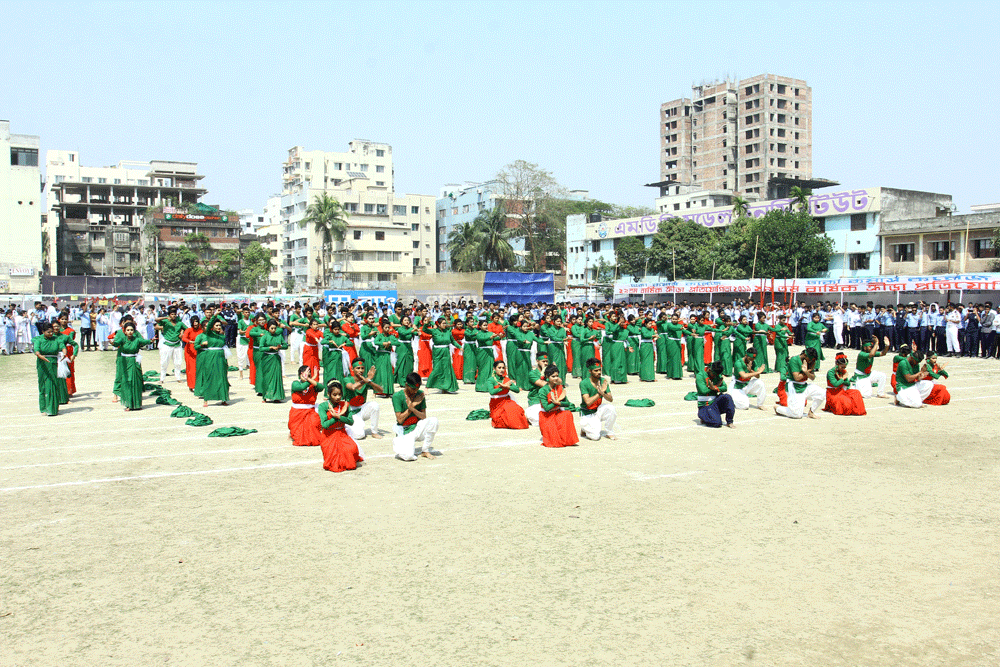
[
  {"x": 95, "y": 214},
  {"x": 751, "y": 137},
  {"x": 461, "y": 204},
  {"x": 20, "y": 212},
  {"x": 388, "y": 234}
]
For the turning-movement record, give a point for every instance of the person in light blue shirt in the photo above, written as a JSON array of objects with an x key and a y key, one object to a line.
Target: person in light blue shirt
[{"x": 86, "y": 329}]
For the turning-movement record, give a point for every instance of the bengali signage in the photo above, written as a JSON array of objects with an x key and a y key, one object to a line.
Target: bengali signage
[
  {"x": 834, "y": 203},
  {"x": 381, "y": 297},
  {"x": 960, "y": 282}
]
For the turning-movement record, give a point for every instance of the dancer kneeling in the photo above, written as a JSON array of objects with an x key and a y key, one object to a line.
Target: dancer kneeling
[
  {"x": 841, "y": 397},
  {"x": 357, "y": 385},
  {"x": 504, "y": 412},
  {"x": 555, "y": 421},
  {"x": 868, "y": 381},
  {"x": 412, "y": 422},
  {"x": 539, "y": 388},
  {"x": 303, "y": 420},
  {"x": 340, "y": 451},
  {"x": 912, "y": 385},
  {"x": 803, "y": 394},
  {"x": 747, "y": 382},
  {"x": 939, "y": 394},
  {"x": 597, "y": 418},
  {"x": 713, "y": 400}
]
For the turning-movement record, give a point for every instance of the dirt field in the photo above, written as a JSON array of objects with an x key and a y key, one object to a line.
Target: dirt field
[{"x": 132, "y": 539}]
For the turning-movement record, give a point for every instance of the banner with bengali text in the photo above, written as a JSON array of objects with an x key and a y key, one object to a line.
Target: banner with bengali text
[{"x": 986, "y": 282}]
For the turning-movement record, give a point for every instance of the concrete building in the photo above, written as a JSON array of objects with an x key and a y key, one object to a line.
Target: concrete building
[
  {"x": 95, "y": 214},
  {"x": 751, "y": 137},
  {"x": 460, "y": 204},
  {"x": 940, "y": 245},
  {"x": 20, "y": 212},
  {"x": 852, "y": 219},
  {"x": 388, "y": 234}
]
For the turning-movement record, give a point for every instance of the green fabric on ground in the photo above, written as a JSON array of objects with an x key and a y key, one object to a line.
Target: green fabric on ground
[
  {"x": 150, "y": 387},
  {"x": 167, "y": 400},
  {"x": 198, "y": 419},
  {"x": 151, "y": 375},
  {"x": 232, "y": 368},
  {"x": 478, "y": 414},
  {"x": 182, "y": 411},
  {"x": 640, "y": 403},
  {"x": 230, "y": 431},
  {"x": 691, "y": 396}
]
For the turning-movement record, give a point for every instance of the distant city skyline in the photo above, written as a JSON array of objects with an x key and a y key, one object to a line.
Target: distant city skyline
[{"x": 461, "y": 89}]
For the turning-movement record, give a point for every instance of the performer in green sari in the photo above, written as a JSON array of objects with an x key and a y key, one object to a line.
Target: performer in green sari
[
  {"x": 335, "y": 358},
  {"x": 130, "y": 345},
  {"x": 404, "y": 349},
  {"x": 524, "y": 338},
  {"x": 760, "y": 331},
  {"x": 781, "y": 334},
  {"x": 576, "y": 336},
  {"x": 557, "y": 346},
  {"x": 384, "y": 344},
  {"x": 470, "y": 362},
  {"x": 442, "y": 372},
  {"x": 673, "y": 332},
  {"x": 632, "y": 351},
  {"x": 741, "y": 336},
  {"x": 814, "y": 338},
  {"x": 588, "y": 339},
  {"x": 484, "y": 354},
  {"x": 648, "y": 338},
  {"x": 269, "y": 377},
  {"x": 617, "y": 333},
  {"x": 213, "y": 368},
  {"x": 47, "y": 346},
  {"x": 661, "y": 343},
  {"x": 368, "y": 333},
  {"x": 724, "y": 328}
]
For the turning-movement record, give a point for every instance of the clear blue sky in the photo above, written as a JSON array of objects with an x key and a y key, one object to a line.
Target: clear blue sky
[{"x": 904, "y": 95}]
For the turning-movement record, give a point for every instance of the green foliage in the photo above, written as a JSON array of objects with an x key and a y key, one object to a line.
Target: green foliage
[
  {"x": 256, "y": 267},
  {"x": 606, "y": 274},
  {"x": 631, "y": 256},
  {"x": 483, "y": 244},
  {"x": 225, "y": 270},
  {"x": 289, "y": 284},
  {"x": 527, "y": 192},
  {"x": 741, "y": 207},
  {"x": 329, "y": 220},
  {"x": 621, "y": 211},
  {"x": 780, "y": 238},
  {"x": 683, "y": 248},
  {"x": 180, "y": 269},
  {"x": 199, "y": 245},
  {"x": 800, "y": 197}
]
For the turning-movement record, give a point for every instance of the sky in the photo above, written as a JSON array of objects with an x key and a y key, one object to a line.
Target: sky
[{"x": 902, "y": 95}]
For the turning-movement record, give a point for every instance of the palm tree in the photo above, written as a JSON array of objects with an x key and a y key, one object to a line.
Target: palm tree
[
  {"x": 741, "y": 207},
  {"x": 493, "y": 239},
  {"x": 463, "y": 246},
  {"x": 800, "y": 198},
  {"x": 329, "y": 220}
]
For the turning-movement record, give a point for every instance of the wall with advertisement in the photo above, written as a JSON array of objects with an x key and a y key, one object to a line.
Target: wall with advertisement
[{"x": 381, "y": 297}]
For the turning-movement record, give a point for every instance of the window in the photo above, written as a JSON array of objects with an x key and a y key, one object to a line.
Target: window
[
  {"x": 380, "y": 236},
  {"x": 902, "y": 252},
  {"x": 23, "y": 157},
  {"x": 398, "y": 210},
  {"x": 351, "y": 207},
  {"x": 379, "y": 152},
  {"x": 357, "y": 234},
  {"x": 414, "y": 227},
  {"x": 382, "y": 209},
  {"x": 781, "y": 131},
  {"x": 465, "y": 209},
  {"x": 859, "y": 222},
  {"x": 939, "y": 250},
  {"x": 983, "y": 248},
  {"x": 781, "y": 162},
  {"x": 454, "y": 210},
  {"x": 859, "y": 261},
  {"x": 379, "y": 169},
  {"x": 595, "y": 246},
  {"x": 364, "y": 167},
  {"x": 86, "y": 179},
  {"x": 677, "y": 207},
  {"x": 338, "y": 166},
  {"x": 416, "y": 244},
  {"x": 369, "y": 208},
  {"x": 442, "y": 212},
  {"x": 357, "y": 256},
  {"x": 118, "y": 181},
  {"x": 781, "y": 118},
  {"x": 414, "y": 210}
]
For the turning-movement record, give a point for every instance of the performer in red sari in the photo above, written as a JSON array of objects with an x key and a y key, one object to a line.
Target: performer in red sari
[
  {"x": 310, "y": 346},
  {"x": 496, "y": 327},
  {"x": 458, "y": 357},
  {"x": 352, "y": 331},
  {"x": 303, "y": 420},
  {"x": 555, "y": 420},
  {"x": 939, "y": 394},
  {"x": 340, "y": 451},
  {"x": 66, "y": 330},
  {"x": 841, "y": 396},
  {"x": 504, "y": 411},
  {"x": 424, "y": 356},
  {"x": 250, "y": 346},
  {"x": 190, "y": 353}
]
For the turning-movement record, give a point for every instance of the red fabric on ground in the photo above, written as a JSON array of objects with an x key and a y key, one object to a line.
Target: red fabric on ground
[
  {"x": 939, "y": 396},
  {"x": 557, "y": 428}
]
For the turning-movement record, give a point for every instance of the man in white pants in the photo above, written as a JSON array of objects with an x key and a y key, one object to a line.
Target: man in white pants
[
  {"x": 801, "y": 392},
  {"x": 356, "y": 386},
  {"x": 747, "y": 382},
  {"x": 912, "y": 385},
  {"x": 242, "y": 344},
  {"x": 412, "y": 423},
  {"x": 170, "y": 329},
  {"x": 952, "y": 319},
  {"x": 868, "y": 381},
  {"x": 298, "y": 325},
  {"x": 597, "y": 415},
  {"x": 539, "y": 388}
]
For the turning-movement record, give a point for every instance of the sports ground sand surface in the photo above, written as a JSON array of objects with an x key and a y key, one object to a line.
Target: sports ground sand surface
[{"x": 133, "y": 539}]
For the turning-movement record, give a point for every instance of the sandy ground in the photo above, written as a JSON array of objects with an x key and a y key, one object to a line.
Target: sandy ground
[{"x": 132, "y": 539}]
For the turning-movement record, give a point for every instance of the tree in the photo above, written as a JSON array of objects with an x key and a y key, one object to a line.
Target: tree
[
  {"x": 492, "y": 240},
  {"x": 180, "y": 269},
  {"x": 741, "y": 207},
  {"x": 255, "y": 268},
  {"x": 526, "y": 191},
  {"x": 462, "y": 246},
  {"x": 684, "y": 249},
  {"x": 780, "y": 238},
  {"x": 800, "y": 198},
  {"x": 225, "y": 270},
  {"x": 631, "y": 256},
  {"x": 605, "y": 279},
  {"x": 329, "y": 221},
  {"x": 620, "y": 211}
]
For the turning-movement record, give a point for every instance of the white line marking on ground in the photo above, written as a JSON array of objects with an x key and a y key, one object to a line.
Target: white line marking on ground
[
  {"x": 639, "y": 477},
  {"x": 139, "y": 458}
]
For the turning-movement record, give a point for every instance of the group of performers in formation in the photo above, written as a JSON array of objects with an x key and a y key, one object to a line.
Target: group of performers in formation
[{"x": 352, "y": 354}]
